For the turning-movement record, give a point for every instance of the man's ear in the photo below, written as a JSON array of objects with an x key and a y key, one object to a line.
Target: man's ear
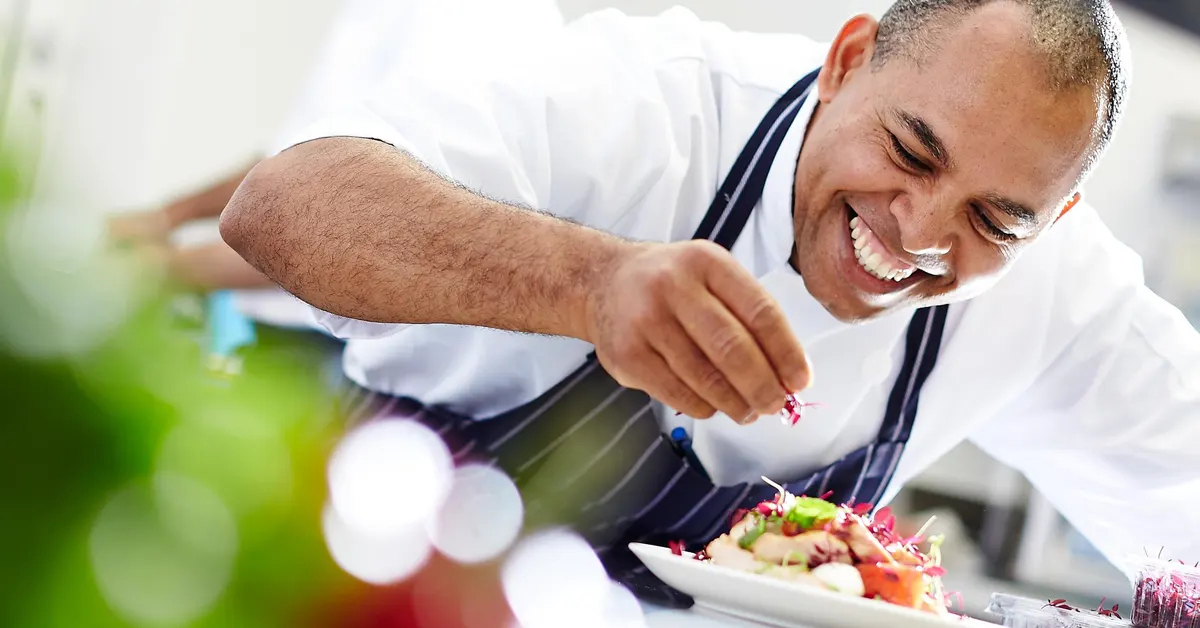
[
  {"x": 1070, "y": 205},
  {"x": 850, "y": 52}
]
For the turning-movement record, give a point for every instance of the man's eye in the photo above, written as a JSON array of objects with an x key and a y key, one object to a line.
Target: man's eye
[
  {"x": 990, "y": 226},
  {"x": 909, "y": 159}
]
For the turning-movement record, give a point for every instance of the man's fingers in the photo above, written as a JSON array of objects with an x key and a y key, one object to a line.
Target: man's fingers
[
  {"x": 671, "y": 390},
  {"x": 697, "y": 371},
  {"x": 138, "y": 228},
  {"x": 729, "y": 347},
  {"x": 765, "y": 321}
]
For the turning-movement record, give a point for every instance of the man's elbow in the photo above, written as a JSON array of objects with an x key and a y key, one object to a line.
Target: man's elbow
[{"x": 251, "y": 208}]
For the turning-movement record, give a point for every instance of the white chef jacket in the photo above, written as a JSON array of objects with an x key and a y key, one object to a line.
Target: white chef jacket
[
  {"x": 1069, "y": 369},
  {"x": 370, "y": 40}
]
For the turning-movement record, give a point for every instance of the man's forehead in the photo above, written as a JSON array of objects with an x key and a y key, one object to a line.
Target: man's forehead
[
  {"x": 1007, "y": 131},
  {"x": 1024, "y": 168}
]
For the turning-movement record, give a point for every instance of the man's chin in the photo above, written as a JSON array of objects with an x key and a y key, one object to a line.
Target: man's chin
[
  {"x": 854, "y": 313},
  {"x": 846, "y": 306}
]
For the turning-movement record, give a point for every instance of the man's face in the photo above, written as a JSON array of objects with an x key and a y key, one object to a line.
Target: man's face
[{"x": 920, "y": 182}]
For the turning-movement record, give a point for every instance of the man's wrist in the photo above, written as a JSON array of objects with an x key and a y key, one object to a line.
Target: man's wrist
[
  {"x": 174, "y": 215},
  {"x": 592, "y": 278}
]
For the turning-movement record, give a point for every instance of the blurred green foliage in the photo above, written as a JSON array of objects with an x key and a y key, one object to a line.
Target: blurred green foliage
[{"x": 77, "y": 429}]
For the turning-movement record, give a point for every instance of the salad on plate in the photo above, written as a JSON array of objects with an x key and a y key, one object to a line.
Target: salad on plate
[{"x": 849, "y": 549}]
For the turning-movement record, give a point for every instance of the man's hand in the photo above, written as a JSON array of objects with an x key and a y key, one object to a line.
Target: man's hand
[
  {"x": 140, "y": 228},
  {"x": 212, "y": 266},
  {"x": 688, "y": 325}
]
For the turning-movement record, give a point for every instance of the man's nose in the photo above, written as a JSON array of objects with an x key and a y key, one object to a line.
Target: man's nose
[{"x": 925, "y": 227}]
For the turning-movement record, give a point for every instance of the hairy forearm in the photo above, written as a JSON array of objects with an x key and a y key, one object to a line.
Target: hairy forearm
[
  {"x": 206, "y": 203},
  {"x": 360, "y": 229}
]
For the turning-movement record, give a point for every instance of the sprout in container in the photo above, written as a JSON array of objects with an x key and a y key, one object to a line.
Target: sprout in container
[
  {"x": 1167, "y": 594},
  {"x": 1019, "y": 612}
]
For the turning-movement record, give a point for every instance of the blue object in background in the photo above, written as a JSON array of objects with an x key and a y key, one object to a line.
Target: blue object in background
[{"x": 228, "y": 329}]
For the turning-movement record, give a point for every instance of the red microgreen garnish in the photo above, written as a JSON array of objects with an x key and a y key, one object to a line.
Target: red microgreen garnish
[
  {"x": 793, "y": 409},
  {"x": 792, "y": 412},
  {"x": 885, "y": 520},
  {"x": 1166, "y": 599},
  {"x": 1110, "y": 612},
  {"x": 1061, "y": 604},
  {"x": 677, "y": 547}
]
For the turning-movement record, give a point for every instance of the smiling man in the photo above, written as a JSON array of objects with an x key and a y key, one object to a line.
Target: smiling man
[{"x": 722, "y": 215}]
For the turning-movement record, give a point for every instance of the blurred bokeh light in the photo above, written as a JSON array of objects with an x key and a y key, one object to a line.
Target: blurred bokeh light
[
  {"x": 163, "y": 551},
  {"x": 553, "y": 578},
  {"x": 480, "y": 517},
  {"x": 374, "y": 557},
  {"x": 388, "y": 475}
]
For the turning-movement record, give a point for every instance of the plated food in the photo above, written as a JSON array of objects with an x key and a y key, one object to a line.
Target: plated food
[{"x": 845, "y": 549}]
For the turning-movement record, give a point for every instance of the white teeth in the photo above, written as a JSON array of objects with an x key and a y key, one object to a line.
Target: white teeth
[{"x": 870, "y": 260}]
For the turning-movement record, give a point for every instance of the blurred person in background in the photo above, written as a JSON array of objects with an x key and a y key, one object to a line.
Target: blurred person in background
[
  {"x": 370, "y": 40},
  {"x": 896, "y": 201}
]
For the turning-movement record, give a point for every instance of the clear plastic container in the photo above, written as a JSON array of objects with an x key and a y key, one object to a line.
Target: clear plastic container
[
  {"x": 1166, "y": 594},
  {"x": 1020, "y": 612}
]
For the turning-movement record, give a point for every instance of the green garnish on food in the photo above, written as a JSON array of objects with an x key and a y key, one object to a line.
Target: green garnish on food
[
  {"x": 807, "y": 512},
  {"x": 935, "y": 549},
  {"x": 760, "y": 527},
  {"x": 795, "y": 559}
]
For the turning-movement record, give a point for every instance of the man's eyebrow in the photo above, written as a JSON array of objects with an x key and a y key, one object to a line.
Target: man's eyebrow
[
  {"x": 1019, "y": 212},
  {"x": 926, "y": 135}
]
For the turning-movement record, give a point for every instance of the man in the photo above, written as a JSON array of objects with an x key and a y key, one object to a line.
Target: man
[{"x": 897, "y": 220}]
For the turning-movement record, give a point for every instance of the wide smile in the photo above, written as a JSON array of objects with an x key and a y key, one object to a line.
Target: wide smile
[
  {"x": 874, "y": 268},
  {"x": 874, "y": 257}
]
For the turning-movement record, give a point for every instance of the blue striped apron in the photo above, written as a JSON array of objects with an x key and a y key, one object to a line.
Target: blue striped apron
[{"x": 591, "y": 454}]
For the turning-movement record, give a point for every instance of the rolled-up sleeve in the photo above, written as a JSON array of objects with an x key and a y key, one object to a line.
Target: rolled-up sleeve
[{"x": 580, "y": 128}]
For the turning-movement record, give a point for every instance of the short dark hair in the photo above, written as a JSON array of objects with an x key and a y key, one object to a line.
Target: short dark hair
[{"x": 1083, "y": 41}]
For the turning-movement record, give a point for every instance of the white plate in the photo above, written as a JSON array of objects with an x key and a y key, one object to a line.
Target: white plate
[{"x": 777, "y": 602}]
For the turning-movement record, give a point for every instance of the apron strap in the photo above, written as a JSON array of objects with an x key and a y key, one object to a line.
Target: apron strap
[{"x": 743, "y": 186}]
